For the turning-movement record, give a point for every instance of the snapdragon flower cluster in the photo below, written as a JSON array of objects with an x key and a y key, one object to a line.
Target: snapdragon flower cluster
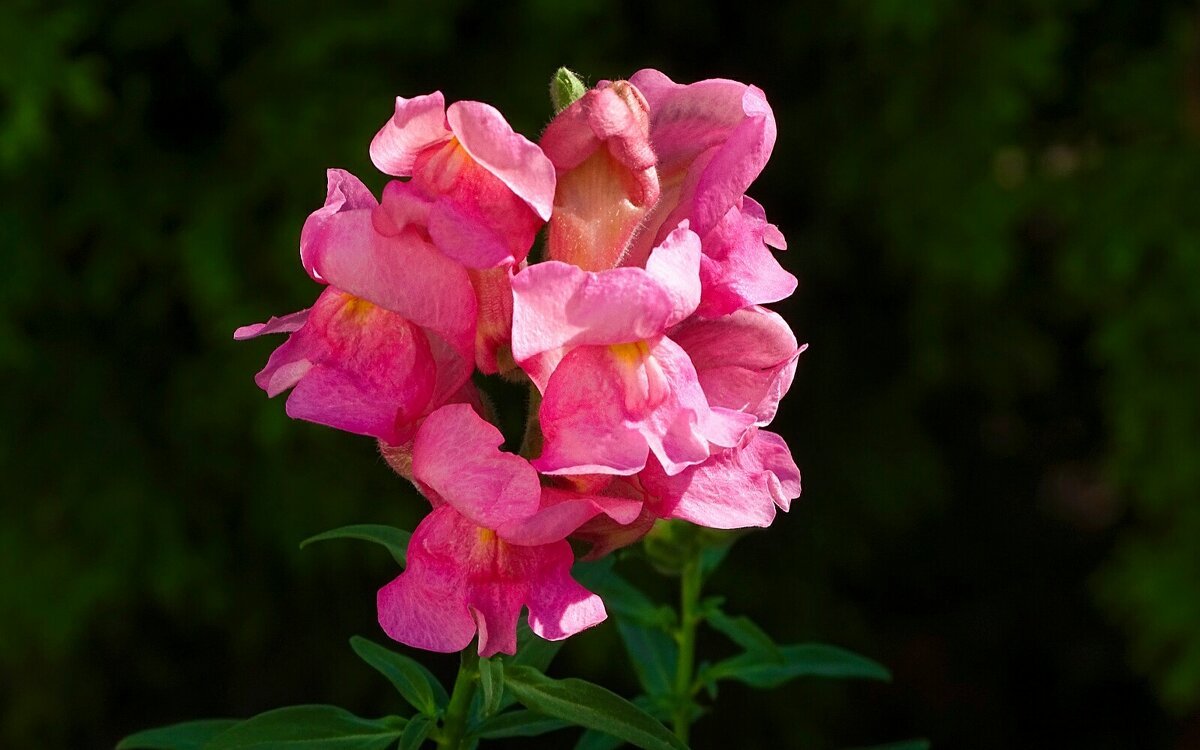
[{"x": 655, "y": 367}]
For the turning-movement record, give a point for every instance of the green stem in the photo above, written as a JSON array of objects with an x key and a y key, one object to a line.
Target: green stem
[
  {"x": 454, "y": 723},
  {"x": 691, "y": 581}
]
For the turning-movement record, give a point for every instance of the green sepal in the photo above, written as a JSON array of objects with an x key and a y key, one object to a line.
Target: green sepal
[
  {"x": 395, "y": 540},
  {"x": 491, "y": 685},
  {"x": 590, "y": 706},
  {"x": 764, "y": 670},
  {"x": 305, "y": 727},
  {"x": 413, "y": 681},
  {"x": 188, "y": 735}
]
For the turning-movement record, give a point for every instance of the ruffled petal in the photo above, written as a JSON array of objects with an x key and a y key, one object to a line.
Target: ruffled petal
[{"x": 416, "y": 124}]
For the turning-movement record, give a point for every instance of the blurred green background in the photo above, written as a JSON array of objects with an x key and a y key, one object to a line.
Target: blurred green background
[{"x": 994, "y": 212}]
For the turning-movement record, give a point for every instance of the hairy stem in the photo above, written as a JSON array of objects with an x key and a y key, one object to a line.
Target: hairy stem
[
  {"x": 691, "y": 581},
  {"x": 454, "y": 723}
]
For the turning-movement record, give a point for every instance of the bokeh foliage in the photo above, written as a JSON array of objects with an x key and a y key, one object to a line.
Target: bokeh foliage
[{"x": 993, "y": 211}]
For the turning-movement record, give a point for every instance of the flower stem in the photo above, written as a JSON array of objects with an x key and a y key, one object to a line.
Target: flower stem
[
  {"x": 691, "y": 582},
  {"x": 454, "y": 723}
]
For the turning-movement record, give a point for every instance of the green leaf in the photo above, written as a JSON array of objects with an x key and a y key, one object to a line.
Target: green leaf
[
  {"x": 590, "y": 706},
  {"x": 905, "y": 745},
  {"x": 654, "y": 655},
  {"x": 188, "y": 735},
  {"x": 309, "y": 728},
  {"x": 415, "y": 733},
  {"x": 396, "y": 540},
  {"x": 763, "y": 670},
  {"x": 519, "y": 723},
  {"x": 742, "y": 631},
  {"x": 593, "y": 740},
  {"x": 491, "y": 684},
  {"x": 417, "y": 686}
]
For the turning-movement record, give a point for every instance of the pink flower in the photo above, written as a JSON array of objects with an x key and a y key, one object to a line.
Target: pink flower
[
  {"x": 600, "y": 146},
  {"x": 481, "y": 190},
  {"x": 494, "y": 543},
  {"x": 388, "y": 341},
  {"x": 615, "y": 387}
]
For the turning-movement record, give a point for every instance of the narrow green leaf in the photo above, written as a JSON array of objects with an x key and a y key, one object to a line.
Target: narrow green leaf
[
  {"x": 188, "y": 735},
  {"x": 491, "y": 684},
  {"x": 590, "y": 706},
  {"x": 905, "y": 745},
  {"x": 742, "y": 631},
  {"x": 309, "y": 728},
  {"x": 414, "y": 683},
  {"x": 415, "y": 733},
  {"x": 519, "y": 723},
  {"x": 594, "y": 740},
  {"x": 396, "y": 540},
  {"x": 654, "y": 655},
  {"x": 763, "y": 670}
]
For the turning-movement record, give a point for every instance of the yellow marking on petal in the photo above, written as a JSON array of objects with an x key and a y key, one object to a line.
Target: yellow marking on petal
[
  {"x": 486, "y": 536},
  {"x": 355, "y": 309},
  {"x": 630, "y": 354}
]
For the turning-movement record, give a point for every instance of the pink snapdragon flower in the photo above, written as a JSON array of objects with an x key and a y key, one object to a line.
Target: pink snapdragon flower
[
  {"x": 615, "y": 387},
  {"x": 389, "y": 340},
  {"x": 494, "y": 543}
]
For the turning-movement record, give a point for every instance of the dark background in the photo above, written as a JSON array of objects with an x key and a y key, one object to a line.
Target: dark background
[{"x": 994, "y": 212}]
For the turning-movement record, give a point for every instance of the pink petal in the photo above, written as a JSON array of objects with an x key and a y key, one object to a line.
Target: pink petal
[
  {"x": 744, "y": 361},
  {"x": 282, "y": 324},
  {"x": 343, "y": 193},
  {"x": 401, "y": 273},
  {"x": 557, "y": 305},
  {"x": 736, "y": 488},
  {"x": 563, "y": 512},
  {"x": 605, "y": 408},
  {"x": 355, "y": 367},
  {"x": 462, "y": 577},
  {"x": 456, "y": 455},
  {"x": 605, "y": 535},
  {"x": 417, "y": 124},
  {"x": 737, "y": 270},
  {"x": 493, "y": 331},
  {"x": 517, "y": 162}
]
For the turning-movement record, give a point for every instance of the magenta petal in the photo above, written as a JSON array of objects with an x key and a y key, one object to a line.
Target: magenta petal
[
  {"x": 557, "y": 305},
  {"x": 402, "y": 273},
  {"x": 457, "y": 455},
  {"x": 462, "y": 577},
  {"x": 605, "y": 408},
  {"x": 281, "y": 324},
  {"x": 355, "y": 367},
  {"x": 744, "y": 361},
  {"x": 737, "y": 269},
  {"x": 736, "y": 488},
  {"x": 416, "y": 124},
  {"x": 517, "y": 162},
  {"x": 563, "y": 512}
]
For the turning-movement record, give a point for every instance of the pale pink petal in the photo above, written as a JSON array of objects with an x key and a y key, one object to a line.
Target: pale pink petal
[
  {"x": 559, "y": 607},
  {"x": 281, "y": 324},
  {"x": 354, "y": 366},
  {"x": 744, "y": 361},
  {"x": 736, "y": 488},
  {"x": 557, "y": 305},
  {"x": 517, "y": 162},
  {"x": 737, "y": 269},
  {"x": 416, "y": 124},
  {"x": 457, "y": 456},
  {"x": 343, "y": 193}
]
